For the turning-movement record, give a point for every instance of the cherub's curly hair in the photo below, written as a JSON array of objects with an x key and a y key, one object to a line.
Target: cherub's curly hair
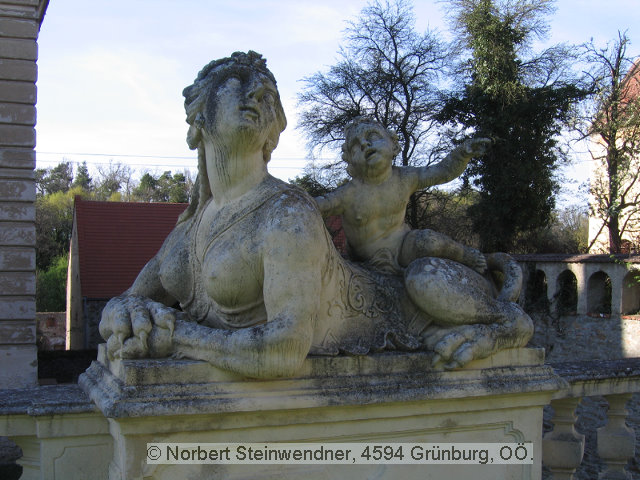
[{"x": 196, "y": 97}]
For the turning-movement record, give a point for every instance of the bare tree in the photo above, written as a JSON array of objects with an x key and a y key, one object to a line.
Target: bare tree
[
  {"x": 114, "y": 182},
  {"x": 615, "y": 133},
  {"x": 387, "y": 70}
]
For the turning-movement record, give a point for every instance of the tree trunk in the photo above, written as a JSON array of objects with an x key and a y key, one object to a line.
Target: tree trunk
[{"x": 615, "y": 242}]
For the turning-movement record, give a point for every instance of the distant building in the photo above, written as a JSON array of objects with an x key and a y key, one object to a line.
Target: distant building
[
  {"x": 110, "y": 243},
  {"x": 598, "y": 232}
]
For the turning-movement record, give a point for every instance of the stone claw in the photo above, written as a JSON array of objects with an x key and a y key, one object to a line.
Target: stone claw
[{"x": 137, "y": 327}]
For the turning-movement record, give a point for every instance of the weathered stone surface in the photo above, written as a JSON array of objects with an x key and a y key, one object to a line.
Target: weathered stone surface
[
  {"x": 18, "y": 283},
  {"x": 17, "y": 211},
  {"x": 24, "y": 70},
  {"x": 581, "y": 337},
  {"x": 18, "y": 28},
  {"x": 18, "y": 158},
  {"x": 22, "y": 49},
  {"x": 14, "y": 308},
  {"x": 42, "y": 401},
  {"x": 55, "y": 421},
  {"x": 17, "y": 233},
  {"x": 18, "y": 366},
  {"x": 17, "y": 173},
  {"x": 17, "y": 259},
  {"x": 17, "y": 114},
  {"x": 602, "y": 343},
  {"x": 17, "y": 92},
  {"x": 388, "y": 397},
  {"x": 131, "y": 388},
  {"x": 373, "y": 204},
  {"x": 17, "y": 331},
  {"x": 17, "y": 135},
  {"x": 17, "y": 190}
]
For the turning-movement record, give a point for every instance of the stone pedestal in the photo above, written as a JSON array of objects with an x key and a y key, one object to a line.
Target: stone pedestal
[{"x": 390, "y": 398}]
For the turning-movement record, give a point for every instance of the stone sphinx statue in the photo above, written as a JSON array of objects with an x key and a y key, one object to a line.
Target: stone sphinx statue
[{"x": 249, "y": 279}]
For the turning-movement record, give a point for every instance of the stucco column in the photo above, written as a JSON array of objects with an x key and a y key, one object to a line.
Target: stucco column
[
  {"x": 582, "y": 277},
  {"x": 19, "y": 27},
  {"x": 551, "y": 274}
]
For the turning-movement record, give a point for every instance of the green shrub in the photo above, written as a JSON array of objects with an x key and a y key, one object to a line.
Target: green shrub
[{"x": 51, "y": 286}]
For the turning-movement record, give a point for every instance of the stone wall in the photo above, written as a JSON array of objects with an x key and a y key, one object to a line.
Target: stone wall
[{"x": 19, "y": 27}]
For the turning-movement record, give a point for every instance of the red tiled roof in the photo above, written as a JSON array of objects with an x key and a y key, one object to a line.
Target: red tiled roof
[{"x": 116, "y": 239}]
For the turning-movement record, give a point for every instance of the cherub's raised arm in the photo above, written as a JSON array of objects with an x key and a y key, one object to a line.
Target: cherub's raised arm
[{"x": 453, "y": 164}]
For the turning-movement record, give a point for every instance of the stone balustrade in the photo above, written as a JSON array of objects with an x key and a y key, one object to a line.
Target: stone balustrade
[
  {"x": 563, "y": 447},
  {"x": 581, "y": 284}
]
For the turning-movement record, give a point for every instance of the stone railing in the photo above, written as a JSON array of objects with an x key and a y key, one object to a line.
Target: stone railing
[
  {"x": 563, "y": 447},
  {"x": 581, "y": 284}
]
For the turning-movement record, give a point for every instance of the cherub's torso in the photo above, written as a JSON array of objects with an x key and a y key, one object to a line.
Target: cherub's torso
[{"x": 374, "y": 214}]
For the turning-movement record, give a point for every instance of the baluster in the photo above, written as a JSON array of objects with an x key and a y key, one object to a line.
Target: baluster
[
  {"x": 616, "y": 441},
  {"x": 9, "y": 454},
  {"x": 563, "y": 448}
]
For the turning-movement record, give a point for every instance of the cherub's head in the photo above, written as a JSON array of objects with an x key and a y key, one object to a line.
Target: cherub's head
[{"x": 369, "y": 148}]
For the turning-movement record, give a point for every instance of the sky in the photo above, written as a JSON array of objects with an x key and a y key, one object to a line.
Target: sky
[{"x": 111, "y": 72}]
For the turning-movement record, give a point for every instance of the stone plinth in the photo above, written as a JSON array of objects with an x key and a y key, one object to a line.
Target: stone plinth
[{"x": 389, "y": 398}]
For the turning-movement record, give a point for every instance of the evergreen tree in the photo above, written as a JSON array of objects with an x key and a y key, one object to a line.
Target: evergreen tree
[
  {"x": 521, "y": 103},
  {"x": 83, "y": 179},
  {"x": 56, "y": 179},
  {"x": 173, "y": 188}
]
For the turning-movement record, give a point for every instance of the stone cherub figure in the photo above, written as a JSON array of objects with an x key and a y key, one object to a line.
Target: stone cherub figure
[
  {"x": 250, "y": 281},
  {"x": 373, "y": 203}
]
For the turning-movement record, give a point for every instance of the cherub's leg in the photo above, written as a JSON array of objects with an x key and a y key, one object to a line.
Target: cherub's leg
[
  {"x": 427, "y": 243},
  {"x": 469, "y": 321},
  {"x": 452, "y": 293}
]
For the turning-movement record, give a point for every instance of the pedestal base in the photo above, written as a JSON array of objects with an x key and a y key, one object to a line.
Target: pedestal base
[{"x": 388, "y": 398}]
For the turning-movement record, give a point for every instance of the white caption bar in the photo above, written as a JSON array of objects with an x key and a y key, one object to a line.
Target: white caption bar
[{"x": 340, "y": 453}]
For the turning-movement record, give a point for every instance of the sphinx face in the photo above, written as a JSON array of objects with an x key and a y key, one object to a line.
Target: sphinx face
[{"x": 244, "y": 105}]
